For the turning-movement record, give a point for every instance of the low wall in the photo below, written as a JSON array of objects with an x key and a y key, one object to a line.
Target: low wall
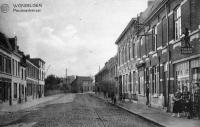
[{"x": 53, "y": 92}]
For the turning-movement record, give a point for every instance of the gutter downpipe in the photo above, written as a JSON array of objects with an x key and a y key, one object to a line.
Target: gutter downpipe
[{"x": 169, "y": 54}]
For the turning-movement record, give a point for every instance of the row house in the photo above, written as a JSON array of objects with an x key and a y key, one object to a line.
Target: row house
[
  {"x": 127, "y": 61},
  {"x": 5, "y": 70},
  {"x": 14, "y": 76},
  {"x": 40, "y": 76},
  {"x": 106, "y": 78},
  {"x": 165, "y": 40}
]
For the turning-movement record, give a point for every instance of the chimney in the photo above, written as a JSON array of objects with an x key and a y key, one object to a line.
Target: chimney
[{"x": 150, "y": 3}]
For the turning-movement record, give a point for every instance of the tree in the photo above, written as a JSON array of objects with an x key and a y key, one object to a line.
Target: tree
[{"x": 52, "y": 82}]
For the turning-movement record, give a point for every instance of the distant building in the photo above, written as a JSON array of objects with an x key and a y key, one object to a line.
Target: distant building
[
  {"x": 82, "y": 84},
  {"x": 106, "y": 78}
]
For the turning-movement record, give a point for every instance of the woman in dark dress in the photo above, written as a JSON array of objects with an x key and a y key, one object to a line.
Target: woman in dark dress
[
  {"x": 196, "y": 103},
  {"x": 186, "y": 99},
  {"x": 177, "y": 103}
]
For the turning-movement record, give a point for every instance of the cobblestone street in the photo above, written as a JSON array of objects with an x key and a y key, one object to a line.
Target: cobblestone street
[{"x": 84, "y": 110}]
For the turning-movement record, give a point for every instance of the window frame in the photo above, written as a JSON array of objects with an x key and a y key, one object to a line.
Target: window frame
[{"x": 177, "y": 23}]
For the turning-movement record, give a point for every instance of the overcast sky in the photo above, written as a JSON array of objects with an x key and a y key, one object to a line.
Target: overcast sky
[{"x": 76, "y": 34}]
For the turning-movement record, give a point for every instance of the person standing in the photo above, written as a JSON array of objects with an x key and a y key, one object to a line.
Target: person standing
[
  {"x": 196, "y": 102},
  {"x": 177, "y": 108},
  {"x": 186, "y": 102},
  {"x": 147, "y": 94}
]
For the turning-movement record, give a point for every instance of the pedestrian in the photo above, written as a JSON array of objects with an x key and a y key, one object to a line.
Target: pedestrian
[
  {"x": 196, "y": 103},
  {"x": 186, "y": 100},
  {"x": 177, "y": 108},
  {"x": 147, "y": 94}
]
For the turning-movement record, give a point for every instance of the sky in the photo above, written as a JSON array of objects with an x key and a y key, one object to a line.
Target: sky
[{"x": 78, "y": 35}]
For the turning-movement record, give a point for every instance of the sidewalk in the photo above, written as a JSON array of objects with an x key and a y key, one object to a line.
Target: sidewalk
[
  {"x": 155, "y": 115},
  {"x": 28, "y": 104}
]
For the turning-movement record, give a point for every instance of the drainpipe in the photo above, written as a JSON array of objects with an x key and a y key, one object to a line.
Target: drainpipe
[{"x": 168, "y": 48}]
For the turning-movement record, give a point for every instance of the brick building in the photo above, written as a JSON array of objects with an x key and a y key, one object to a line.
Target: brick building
[
  {"x": 127, "y": 61},
  {"x": 106, "y": 78},
  {"x": 82, "y": 84},
  {"x": 160, "y": 47}
]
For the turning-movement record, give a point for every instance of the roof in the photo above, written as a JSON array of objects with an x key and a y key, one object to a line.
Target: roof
[
  {"x": 4, "y": 42},
  {"x": 38, "y": 59},
  {"x": 125, "y": 30},
  {"x": 150, "y": 10}
]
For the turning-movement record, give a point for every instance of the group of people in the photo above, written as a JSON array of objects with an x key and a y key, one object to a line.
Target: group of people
[{"x": 187, "y": 103}]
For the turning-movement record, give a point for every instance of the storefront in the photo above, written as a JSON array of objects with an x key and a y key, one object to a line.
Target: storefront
[
  {"x": 187, "y": 74},
  {"x": 5, "y": 90}
]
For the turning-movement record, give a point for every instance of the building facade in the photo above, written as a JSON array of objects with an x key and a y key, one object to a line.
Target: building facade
[
  {"x": 165, "y": 40},
  {"x": 106, "y": 79},
  {"x": 127, "y": 62},
  {"x": 21, "y": 77},
  {"x": 5, "y": 70},
  {"x": 82, "y": 84}
]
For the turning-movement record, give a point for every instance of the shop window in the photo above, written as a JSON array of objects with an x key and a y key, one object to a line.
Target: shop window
[
  {"x": 182, "y": 75},
  {"x": 178, "y": 23}
]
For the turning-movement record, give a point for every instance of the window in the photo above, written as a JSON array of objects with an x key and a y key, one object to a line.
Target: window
[
  {"x": 155, "y": 80},
  {"x": 154, "y": 39},
  {"x": 182, "y": 75},
  {"x": 18, "y": 64},
  {"x": 8, "y": 66},
  {"x": 1, "y": 63},
  {"x": 123, "y": 83},
  {"x": 16, "y": 68},
  {"x": 15, "y": 90},
  {"x": 129, "y": 52},
  {"x": 141, "y": 82},
  {"x": 127, "y": 83},
  {"x": 22, "y": 76},
  {"x": 133, "y": 50},
  {"x": 119, "y": 62},
  {"x": 178, "y": 23}
]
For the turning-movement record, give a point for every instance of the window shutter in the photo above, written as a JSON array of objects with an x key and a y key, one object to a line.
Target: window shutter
[
  {"x": 185, "y": 16},
  {"x": 164, "y": 31},
  {"x": 171, "y": 27},
  {"x": 159, "y": 35}
]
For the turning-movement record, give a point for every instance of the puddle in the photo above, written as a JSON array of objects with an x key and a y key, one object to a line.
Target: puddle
[{"x": 23, "y": 125}]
